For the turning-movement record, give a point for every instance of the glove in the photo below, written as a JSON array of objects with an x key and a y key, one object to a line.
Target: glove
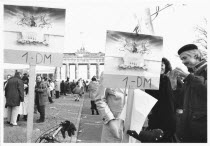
[
  {"x": 69, "y": 127},
  {"x": 133, "y": 134},
  {"x": 151, "y": 135},
  {"x": 147, "y": 136}
]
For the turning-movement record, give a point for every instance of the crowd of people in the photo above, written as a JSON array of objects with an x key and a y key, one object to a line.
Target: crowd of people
[
  {"x": 16, "y": 94},
  {"x": 180, "y": 114}
]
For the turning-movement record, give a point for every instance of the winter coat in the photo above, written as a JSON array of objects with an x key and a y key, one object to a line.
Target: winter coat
[
  {"x": 72, "y": 86},
  {"x": 52, "y": 86},
  {"x": 110, "y": 103},
  {"x": 67, "y": 86},
  {"x": 194, "y": 118},
  {"x": 14, "y": 91},
  {"x": 41, "y": 96},
  {"x": 163, "y": 114},
  {"x": 62, "y": 86},
  {"x": 57, "y": 86},
  {"x": 92, "y": 87}
]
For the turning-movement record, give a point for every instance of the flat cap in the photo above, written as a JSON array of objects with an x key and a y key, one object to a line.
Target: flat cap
[{"x": 187, "y": 48}]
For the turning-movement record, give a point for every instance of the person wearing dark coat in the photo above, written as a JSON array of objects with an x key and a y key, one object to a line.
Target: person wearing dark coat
[
  {"x": 25, "y": 78},
  {"x": 163, "y": 115},
  {"x": 193, "y": 127},
  {"x": 162, "y": 118},
  {"x": 66, "y": 86},
  {"x": 41, "y": 97},
  {"x": 14, "y": 93},
  {"x": 72, "y": 86},
  {"x": 62, "y": 87}
]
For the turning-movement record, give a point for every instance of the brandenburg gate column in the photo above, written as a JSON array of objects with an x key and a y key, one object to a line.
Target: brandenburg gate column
[
  {"x": 76, "y": 70},
  {"x": 58, "y": 73},
  {"x": 88, "y": 71},
  {"x": 67, "y": 70},
  {"x": 98, "y": 70}
]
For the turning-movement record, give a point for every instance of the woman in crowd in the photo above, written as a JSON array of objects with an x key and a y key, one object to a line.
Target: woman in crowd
[
  {"x": 92, "y": 87},
  {"x": 162, "y": 115},
  {"x": 49, "y": 95},
  {"x": 57, "y": 89},
  {"x": 110, "y": 103},
  {"x": 78, "y": 90},
  {"x": 51, "y": 87},
  {"x": 40, "y": 97}
]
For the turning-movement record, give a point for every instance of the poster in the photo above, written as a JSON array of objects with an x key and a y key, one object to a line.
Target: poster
[
  {"x": 37, "y": 28},
  {"x": 132, "y": 60},
  {"x": 34, "y": 35}
]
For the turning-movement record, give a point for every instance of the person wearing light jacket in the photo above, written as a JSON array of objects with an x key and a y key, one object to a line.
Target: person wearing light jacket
[
  {"x": 57, "y": 88},
  {"x": 110, "y": 103},
  {"x": 92, "y": 87}
]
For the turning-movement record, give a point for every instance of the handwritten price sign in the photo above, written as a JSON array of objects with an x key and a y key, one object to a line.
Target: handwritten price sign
[
  {"x": 33, "y": 58},
  {"x": 132, "y": 82}
]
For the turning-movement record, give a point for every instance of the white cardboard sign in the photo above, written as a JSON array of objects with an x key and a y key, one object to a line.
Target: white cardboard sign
[
  {"x": 132, "y": 60},
  {"x": 33, "y": 58}
]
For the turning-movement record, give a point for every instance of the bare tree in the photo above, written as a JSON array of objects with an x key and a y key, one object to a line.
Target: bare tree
[
  {"x": 201, "y": 33},
  {"x": 201, "y": 36}
]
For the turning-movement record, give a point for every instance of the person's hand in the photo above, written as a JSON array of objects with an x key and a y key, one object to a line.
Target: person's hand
[
  {"x": 180, "y": 72},
  {"x": 115, "y": 127},
  {"x": 147, "y": 135},
  {"x": 133, "y": 134},
  {"x": 173, "y": 75},
  {"x": 151, "y": 135}
]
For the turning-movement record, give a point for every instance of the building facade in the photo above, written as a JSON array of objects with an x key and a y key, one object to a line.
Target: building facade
[{"x": 81, "y": 64}]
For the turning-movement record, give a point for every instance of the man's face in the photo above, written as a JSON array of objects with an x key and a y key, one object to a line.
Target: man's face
[
  {"x": 188, "y": 60},
  {"x": 38, "y": 79}
]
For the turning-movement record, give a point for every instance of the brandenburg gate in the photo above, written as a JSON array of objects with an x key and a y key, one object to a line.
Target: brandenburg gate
[{"x": 81, "y": 64}]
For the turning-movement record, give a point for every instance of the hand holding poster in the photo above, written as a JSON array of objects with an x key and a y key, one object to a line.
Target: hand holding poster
[{"x": 132, "y": 60}]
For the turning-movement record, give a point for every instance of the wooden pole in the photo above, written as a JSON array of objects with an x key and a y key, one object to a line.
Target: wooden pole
[
  {"x": 149, "y": 30},
  {"x": 148, "y": 22},
  {"x": 32, "y": 78},
  {"x": 128, "y": 115}
]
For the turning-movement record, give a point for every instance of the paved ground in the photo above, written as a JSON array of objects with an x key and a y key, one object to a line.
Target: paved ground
[
  {"x": 64, "y": 108},
  {"x": 90, "y": 126}
]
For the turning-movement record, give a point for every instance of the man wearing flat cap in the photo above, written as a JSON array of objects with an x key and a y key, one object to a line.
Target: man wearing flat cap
[{"x": 193, "y": 126}]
